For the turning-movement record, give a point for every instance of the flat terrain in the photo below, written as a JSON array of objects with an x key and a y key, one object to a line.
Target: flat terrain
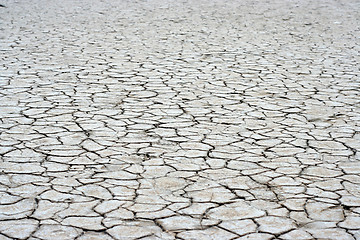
[{"x": 195, "y": 119}]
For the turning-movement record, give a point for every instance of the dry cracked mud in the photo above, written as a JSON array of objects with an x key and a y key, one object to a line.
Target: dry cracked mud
[{"x": 159, "y": 119}]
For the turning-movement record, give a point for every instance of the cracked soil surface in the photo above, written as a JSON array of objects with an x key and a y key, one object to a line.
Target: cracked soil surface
[{"x": 195, "y": 119}]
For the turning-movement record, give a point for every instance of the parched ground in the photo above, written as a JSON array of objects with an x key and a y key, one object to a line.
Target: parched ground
[{"x": 193, "y": 119}]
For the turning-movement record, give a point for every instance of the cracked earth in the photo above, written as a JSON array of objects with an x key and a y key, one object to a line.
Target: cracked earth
[{"x": 179, "y": 120}]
